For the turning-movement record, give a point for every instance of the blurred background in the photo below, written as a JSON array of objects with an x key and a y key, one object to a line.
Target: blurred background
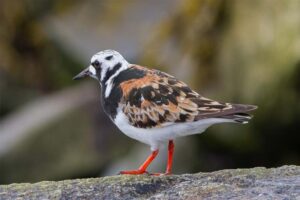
[{"x": 53, "y": 128}]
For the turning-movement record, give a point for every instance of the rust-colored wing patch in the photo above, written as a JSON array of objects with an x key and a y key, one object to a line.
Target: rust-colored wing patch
[{"x": 158, "y": 99}]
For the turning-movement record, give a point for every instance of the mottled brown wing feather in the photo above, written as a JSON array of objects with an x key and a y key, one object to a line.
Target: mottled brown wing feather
[{"x": 158, "y": 99}]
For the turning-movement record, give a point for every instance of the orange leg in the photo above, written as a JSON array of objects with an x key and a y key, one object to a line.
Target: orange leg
[
  {"x": 143, "y": 167},
  {"x": 170, "y": 159}
]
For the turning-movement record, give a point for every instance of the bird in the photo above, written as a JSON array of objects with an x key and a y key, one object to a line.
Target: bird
[{"x": 154, "y": 107}]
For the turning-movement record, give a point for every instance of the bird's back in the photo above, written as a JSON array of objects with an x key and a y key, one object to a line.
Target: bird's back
[{"x": 151, "y": 98}]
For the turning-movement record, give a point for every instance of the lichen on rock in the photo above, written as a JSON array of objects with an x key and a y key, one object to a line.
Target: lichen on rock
[{"x": 255, "y": 183}]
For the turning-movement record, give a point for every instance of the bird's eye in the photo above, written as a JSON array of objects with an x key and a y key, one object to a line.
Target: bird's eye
[
  {"x": 109, "y": 57},
  {"x": 96, "y": 64}
]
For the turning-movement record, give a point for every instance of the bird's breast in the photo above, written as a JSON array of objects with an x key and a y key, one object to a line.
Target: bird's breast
[{"x": 110, "y": 103}]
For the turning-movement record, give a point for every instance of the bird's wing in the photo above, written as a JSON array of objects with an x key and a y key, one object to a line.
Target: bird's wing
[{"x": 159, "y": 99}]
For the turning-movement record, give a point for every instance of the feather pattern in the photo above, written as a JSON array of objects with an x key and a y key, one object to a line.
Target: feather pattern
[{"x": 158, "y": 99}]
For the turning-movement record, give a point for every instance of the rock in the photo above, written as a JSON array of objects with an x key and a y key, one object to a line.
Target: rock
[{"x": 255, "y": 183}]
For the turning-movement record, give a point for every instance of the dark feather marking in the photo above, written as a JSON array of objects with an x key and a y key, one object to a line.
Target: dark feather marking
[
  {"x": 130, "y": 119},
  {"x": 150, "y": 123},
  {"x": 163, "y": 89},
  {"x": 109, "y": 57},
  {"x": 191, "y": 95},
  {"x": 186, "y": 89},
  {"x": 128, "y": 74},
  {"x": 164, "y": 100},
  {"x": 161, "y": 119},
  {"x": 139, "y": 124},
  {"x": 222, "y": 106},
  {"x": 111, "y": 72},
  {"x": 182, "y": 118},
  {"x": 187, "y": 110},
  {"x": 135, "y": 97},
  {"x": 172, "y": 99},
  {"x": 172, "y": 81},
  {"x": 158, "y": 98},
  {"x": 146, "y": 91},
  {"x": 201, "y": 102},
  {"x": 110, "y": 104},
  {"x": 176, "y": 92}
]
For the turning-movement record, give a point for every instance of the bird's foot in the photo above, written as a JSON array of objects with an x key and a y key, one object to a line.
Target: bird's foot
[{"x": 134, "y": 172}]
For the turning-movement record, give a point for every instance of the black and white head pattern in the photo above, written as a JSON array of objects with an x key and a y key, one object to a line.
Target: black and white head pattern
[{"x": 105, "y": 66}]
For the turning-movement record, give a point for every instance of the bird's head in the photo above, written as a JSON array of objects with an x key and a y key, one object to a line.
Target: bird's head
[{"x": 104, "y": 66}]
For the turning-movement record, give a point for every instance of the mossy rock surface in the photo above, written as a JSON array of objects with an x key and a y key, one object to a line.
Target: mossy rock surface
[{"x": 255, "y": 183}]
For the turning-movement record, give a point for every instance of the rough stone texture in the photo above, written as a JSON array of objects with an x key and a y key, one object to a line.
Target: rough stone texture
[{"x": 256, "y": 183}]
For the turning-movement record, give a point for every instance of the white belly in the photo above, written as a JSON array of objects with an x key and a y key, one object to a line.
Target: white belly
[{"x": 155, "y": 137}]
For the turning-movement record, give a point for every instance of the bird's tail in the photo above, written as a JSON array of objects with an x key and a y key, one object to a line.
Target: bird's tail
[
  {"x": 241, "y": 115},
  {"x": 242, "y": 118}
]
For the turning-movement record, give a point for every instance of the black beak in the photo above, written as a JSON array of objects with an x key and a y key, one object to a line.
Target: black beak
[{"x": 82, "y": 74}]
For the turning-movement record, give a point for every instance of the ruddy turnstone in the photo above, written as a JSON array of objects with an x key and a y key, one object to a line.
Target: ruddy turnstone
[{"x": 154, "y": 107}]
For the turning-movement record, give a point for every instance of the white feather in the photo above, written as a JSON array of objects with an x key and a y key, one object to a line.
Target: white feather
[{"x": 155, "y": 137}]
